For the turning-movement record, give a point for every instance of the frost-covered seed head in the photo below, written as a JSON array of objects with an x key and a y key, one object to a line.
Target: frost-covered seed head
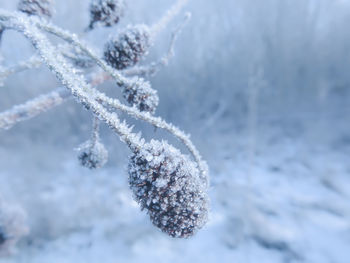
[
  {"x": 167, "y": 184},
  {"x": 41, "y": 8},
  {"x": 128, "y": 47},
  {"x": 12, "y": 227},
  {"x": 106, "y": 12},
  {"x": 141, "y": 95},
  {"x": 92, "y": 155}
]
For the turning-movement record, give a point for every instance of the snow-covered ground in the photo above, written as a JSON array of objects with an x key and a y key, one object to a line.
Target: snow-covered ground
[{"x": 286, "y": 202}]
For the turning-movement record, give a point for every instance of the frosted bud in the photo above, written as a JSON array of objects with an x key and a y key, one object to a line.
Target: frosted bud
[
  {"x": 92, "y": 155},
  {"x": 41, "y": 8},
  {"x": 167, "y": 185},
  {"x": 141, "y": 95},
  {"x": 106, "y": 12},
  {"x": 128, "y": 47},
  {"x": 12, "y": 227}
]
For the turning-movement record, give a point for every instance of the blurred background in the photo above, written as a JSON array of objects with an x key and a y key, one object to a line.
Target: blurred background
[{"x": 263, "y": 88}]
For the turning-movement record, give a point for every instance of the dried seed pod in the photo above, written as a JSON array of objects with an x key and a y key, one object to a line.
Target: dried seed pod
[
  {"x": 128, "y": 47},
  {"x": 106, "y": 12},
  {"x": 12, "y": 227},
  {"x": 41, "y": 8},
  {"x": 92, "y": 155},
  {"x": 141, "y": 95},
  {"x": 167, "y": 184}
]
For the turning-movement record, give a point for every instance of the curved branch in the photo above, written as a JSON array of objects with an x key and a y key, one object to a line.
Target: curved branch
[
  {"x": 159, "y": 123},
  {"x": 90, "y": 97}
]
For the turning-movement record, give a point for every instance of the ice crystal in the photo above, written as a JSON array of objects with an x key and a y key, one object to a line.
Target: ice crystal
[
  {"x": 140, "y": 94},
  {"x": 92, "y": 155},
  {"x": 106, "y": 12},
  {"x": 41, "y": 8},
  {"x": 167, "y": 184},
  {"x": 128, "y": 47}
]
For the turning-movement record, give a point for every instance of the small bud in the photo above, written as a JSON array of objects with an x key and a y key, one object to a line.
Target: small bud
[
  {"x": 92, "y": 155},
  {"x": 167, "y": 184},
  {"x": 128, "y": 47},
  {"x": 141, "y": 95},
  {"x": 106, "y": 12},
  {"x": 41, "y": 8}
]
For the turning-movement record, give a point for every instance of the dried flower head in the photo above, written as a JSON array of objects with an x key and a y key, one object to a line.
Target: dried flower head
[
  {"x": 128, "y": 47},
  {"x": 92, "y": 155},
  {"x": 106, "y": 12},
  {"x": 12, "y": 227},
  {"x": 167, "y": 184},
  {"x": 41, "y": 8},
  {"x": 141, "y": 95}
]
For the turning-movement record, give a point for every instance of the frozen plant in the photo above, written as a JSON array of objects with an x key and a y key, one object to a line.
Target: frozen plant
[
  {"x": 141, "y": 94},
  {"x": 41, "y": 8},
  {"x": 92, "y": 153},
  {"x": 106, "y": 12},
  {"x": 169, "y": 185},
  {"x": 128, "y": 47}
]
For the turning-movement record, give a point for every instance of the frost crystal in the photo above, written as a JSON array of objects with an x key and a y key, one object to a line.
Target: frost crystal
[
  {"x": 141, "y": 95},
  {"x": 92, "y": 155},
  {"x": 41, "y": 8},
  {"x": 167, "y": 184},
  {"x": 106, "y": 12},
  {"x": 128, "y": 47}
]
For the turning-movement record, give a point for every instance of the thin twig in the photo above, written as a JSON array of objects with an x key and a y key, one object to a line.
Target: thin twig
[
  {"x": 33, "y": 62},
  {"x": 33, "y": 108},
  {"x": 95, "y": 130},
  {"x": 169, "y": 15}
]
